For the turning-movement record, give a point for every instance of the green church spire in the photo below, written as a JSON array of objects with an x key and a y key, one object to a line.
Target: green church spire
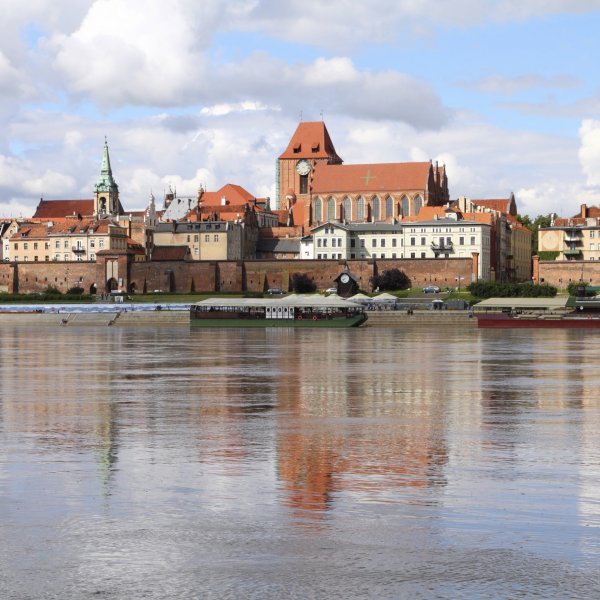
[{"x": 106, "y": 183}]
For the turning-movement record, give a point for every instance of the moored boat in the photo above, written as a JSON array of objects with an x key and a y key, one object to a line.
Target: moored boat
[
  {"x": 538, "y": 313},
  {"x": 291, "y": 311}
]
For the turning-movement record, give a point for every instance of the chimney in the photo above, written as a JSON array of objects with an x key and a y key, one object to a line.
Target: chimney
[{"x": 583, "y": 211}]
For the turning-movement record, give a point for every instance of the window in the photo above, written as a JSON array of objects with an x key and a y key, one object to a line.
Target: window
[
  {"x": 418, "y": 204},
  {"x": 352, "y": 243},
  {"x": 16, "y": 246},
  {"x": 352, "y": 255},
  {"x": 405, "y": 206},
  {"x": 333, "y": 242},
  {"x": 393, "y": 255},
  {"x": 196, "y": 238},
  {"x": 303, "y": 184},
  {"x": 101, "y": 243},
  {"x": 360, "y": 208},
  {"x": 35, "y": 245},
  {"x": 347, "y": 209},
  {"x": 389, "y": 207},
  {"x": 207, "y": 237},
  {"x": 330, "y": 209},
  {"x": 592, "y": 233},
  {"x": 66, "y": 257},
  {"x": 394, "y": 243},
  {"x": 189, "y": 239},
  {"x": 216, "y": 237},
  {"x": 324, "y": 243},
  {"x": 92, "y": 256},
  {"x": 376, "y": 208},
  {"x": 25, "y": 246},
  {"x": 422, "y": 254},
  {"x": 317, "y": 209},
  {"x": 423, "y": 241},
  {"x": 374, "y": 243},
  {"x": 461, "y": 240},
  {"x": 382, "y": 242},
  {"x": 26, "y": 259},
  {"x": 339, "y": 242},
  {"x": 362, "y": 243},
  {"x": 46, "y": 245},
  {"x": 35, "y": 258},
  {"x": 472, "y": 240},
  {"x": 66, "y": 244},
  {"x": 196, "y": 251},
  {"x": 413, "y": 241},
  {"x": 412, "y": 255},
  {"x": 318, "y": 242}
]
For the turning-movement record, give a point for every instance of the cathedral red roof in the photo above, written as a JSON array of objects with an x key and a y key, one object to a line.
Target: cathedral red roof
[
  {"x": 60, "y": 209},
  {"x": 371, "y": 178}
]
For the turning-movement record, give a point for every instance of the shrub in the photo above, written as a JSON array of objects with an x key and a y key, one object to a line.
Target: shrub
[
  {"x": 495, "y": 289},
  {"x": 301, "y": 283},
  {"x": 392, "y": 279},
  {"x": 580, "y": 290},
  {"x": 52, "y": 291},
  {"x": 75, "y": 291}
]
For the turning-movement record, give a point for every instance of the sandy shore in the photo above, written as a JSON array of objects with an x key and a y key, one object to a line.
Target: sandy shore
[{"x": 181, "y": 318}]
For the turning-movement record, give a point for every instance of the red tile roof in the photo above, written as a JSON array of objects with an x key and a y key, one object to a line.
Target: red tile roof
[
  {"x": 311, "y": 140},
  {"x": 504, "y": 205},
  {"x": 235, "y": 195},
  {"x": 59, "y": 209},
  {"x": 386, "y": 177},
  {"x": 170, "y": 252}
]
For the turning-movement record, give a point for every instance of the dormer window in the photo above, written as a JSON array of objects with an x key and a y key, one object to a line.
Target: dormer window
[
  {"x": 315, "y": 147},
  {"x": 297, "y": 148}
]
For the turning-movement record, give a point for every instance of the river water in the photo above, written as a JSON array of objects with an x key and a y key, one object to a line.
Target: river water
[{"x": 411, "y": 462}]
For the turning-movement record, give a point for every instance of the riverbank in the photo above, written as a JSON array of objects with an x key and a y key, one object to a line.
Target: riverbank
[{"x": 181, "y": 318}]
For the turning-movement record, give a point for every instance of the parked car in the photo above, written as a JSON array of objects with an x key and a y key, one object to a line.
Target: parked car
[
  {"x": 431, "y": 289},
  {"x": 275, "y": 291},
  {"x": 331, "y": 290}
]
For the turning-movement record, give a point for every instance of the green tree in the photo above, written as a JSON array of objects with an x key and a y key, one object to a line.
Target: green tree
[
  {"x": 301, "y": 283},
  {"x": 392, "y": 279}
]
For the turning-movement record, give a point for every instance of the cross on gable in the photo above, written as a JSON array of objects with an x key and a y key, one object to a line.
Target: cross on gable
[{"x": 368, "y": 177}]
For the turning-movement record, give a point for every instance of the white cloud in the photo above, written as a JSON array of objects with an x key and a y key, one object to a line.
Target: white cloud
[
  {"x": 506, "y": 85},
  {"x": 589, "y": 151}
]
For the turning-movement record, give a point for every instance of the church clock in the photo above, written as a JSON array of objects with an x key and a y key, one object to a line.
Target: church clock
[{"x": 303, "y": 167}]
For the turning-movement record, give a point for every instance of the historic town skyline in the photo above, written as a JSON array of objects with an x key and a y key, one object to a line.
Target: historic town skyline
[{"x": 504, "y": 94}]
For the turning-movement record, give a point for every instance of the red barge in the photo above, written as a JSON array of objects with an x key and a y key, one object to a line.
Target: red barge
[{"x": 538, "y": 313}]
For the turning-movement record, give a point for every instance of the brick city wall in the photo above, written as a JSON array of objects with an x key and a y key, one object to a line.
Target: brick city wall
[
  {"x": 226, "y": 276},
  {"x": 561, "y": 273}
]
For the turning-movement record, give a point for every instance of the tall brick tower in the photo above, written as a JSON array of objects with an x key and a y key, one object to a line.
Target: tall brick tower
[{"x": 309, "y": 146}]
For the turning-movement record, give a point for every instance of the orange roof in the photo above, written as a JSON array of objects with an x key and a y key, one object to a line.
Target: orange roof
[
  {"x": 387, "y": 177},
  {"x": 235, "y": 195},
  {"x": 59, "y": 209},
  {"x": 504, "y": 205},
  {"x": 311, "y": 140}
]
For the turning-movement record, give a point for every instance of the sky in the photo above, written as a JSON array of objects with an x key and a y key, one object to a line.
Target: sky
[{"x": 505, "y": 93}]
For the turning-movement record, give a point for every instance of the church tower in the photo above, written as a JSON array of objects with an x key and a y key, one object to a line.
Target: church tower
[
  {"x": 106, "y": 191},
  {"x": 309, "y": 146}
]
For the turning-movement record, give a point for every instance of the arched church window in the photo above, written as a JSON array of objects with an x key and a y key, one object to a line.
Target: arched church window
[
  {"x": 405, "y": 206},
  {"x": 317, "y": 210},
  {"x": 360, "y": 208},
  {"x": 347, "y": 209},
  {"x": 331, "y": 209},
  {"x": 389, "y": 207},
  {"x": 375, "y": 203},
  {"x": 418, "y": 204}
]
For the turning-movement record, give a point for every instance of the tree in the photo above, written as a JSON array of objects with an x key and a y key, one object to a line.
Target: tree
[
  {"x": 392, "y": 279},
  {"x": 301, "y": 283}
]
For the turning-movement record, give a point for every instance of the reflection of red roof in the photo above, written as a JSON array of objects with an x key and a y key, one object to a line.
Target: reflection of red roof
[
  {"x": 60, "y": 209},
  {"x": 371, "y": 178},
  {"x": 311, "y": 140}
]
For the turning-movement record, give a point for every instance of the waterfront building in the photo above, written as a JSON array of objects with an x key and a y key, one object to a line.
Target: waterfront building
[
  {"x": 314, "y": 187},
  {"x": 575, "y": 238},
  {"x": 73, "y": 239},
  {"x": 441, "y": 237}
]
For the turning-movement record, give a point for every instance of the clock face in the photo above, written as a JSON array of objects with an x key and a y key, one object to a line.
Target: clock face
[
  {"x": 344, "y": 278},
  {"x": 303, "y": 167}
]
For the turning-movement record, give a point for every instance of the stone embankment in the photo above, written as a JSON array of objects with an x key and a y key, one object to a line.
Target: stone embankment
[{"x": 174, "y": 318}]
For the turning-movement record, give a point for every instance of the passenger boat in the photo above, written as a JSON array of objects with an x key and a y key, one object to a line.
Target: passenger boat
[
  {"x": 291, "y": 311},
  {"x": 537, "y": 313}
]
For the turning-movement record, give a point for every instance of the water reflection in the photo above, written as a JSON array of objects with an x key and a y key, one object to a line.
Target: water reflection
[{"x": 245, "y": 446}]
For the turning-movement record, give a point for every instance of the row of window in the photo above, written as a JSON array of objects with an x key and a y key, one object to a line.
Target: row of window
[
  {"x": 79, "y": 244},
  {"x": 361, "y": 209},
  {"x": 383, "y": 255},
  {"x": 67, "y": 257}
]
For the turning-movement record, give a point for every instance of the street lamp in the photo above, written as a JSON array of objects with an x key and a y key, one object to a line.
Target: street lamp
[{"x": 459, "y": 279}]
